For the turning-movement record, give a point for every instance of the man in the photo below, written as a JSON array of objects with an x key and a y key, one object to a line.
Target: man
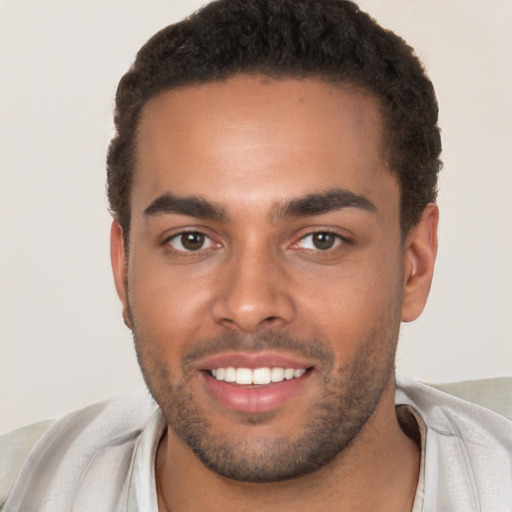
[{"x": 273, "y": 184}]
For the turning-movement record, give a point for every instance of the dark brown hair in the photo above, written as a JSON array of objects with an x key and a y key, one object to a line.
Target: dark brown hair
[{"x": 331, "y": 40}]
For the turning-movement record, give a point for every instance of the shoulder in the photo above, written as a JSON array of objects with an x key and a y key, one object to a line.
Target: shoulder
[
  {"x": 467, "y": 442},
  {"x": 487, "y": 398},
  {"x": 493, "y": 394},
  {"x": 14, "y": 448},
  {"x": 61, "y": 450},
  {"x": 471, "y": 409}
]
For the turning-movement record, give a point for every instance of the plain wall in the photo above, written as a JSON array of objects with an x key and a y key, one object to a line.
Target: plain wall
[{"x": 63, "y": 344}]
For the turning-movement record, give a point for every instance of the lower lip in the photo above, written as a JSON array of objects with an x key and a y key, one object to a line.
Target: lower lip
[{"x": 254, "y": 399}]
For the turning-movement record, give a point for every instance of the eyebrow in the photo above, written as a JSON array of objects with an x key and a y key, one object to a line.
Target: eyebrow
[
  {"x": 193, "y": 206},
  {"x": 323, "y": 202},
  {"x": 309, "y": 205}
]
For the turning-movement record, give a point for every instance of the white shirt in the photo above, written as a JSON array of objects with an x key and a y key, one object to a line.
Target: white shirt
[{"x": 102, "y": 458}]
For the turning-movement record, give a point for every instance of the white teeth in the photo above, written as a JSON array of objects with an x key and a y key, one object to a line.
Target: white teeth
[
  {"x": 230, "y": 375},
  {"x": 263, "y": 375},
  {"x": 243, "y": 376},
  {"x": 277, "y": 374}
]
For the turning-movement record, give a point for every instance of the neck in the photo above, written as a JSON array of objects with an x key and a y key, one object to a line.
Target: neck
[{"x": 377, "y": 472}]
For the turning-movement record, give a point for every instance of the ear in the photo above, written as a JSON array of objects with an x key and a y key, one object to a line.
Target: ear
[
  {"x": 419, "y": 259},
  {"x": 118, "y": 260}
]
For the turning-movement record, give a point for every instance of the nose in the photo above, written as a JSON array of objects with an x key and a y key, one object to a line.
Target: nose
[{"x": 253, "y": 294}]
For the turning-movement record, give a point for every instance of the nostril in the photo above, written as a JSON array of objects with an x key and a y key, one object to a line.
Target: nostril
[{"x": 249, "y": 309}]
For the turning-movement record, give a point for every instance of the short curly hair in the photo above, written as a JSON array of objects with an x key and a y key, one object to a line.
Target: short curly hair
[{"x": 331, "y": 40}]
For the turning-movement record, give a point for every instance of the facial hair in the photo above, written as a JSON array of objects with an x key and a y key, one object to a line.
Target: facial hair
[{"x": 349, "y": 396}]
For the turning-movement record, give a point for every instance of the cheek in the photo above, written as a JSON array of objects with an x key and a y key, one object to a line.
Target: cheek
[
  {"x": 168, "y": 307},
  {"x": 352, "y": 301}
]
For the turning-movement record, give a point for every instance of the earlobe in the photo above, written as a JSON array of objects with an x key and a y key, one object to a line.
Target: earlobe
[
  {"x": 118, "y": 261},
  {"x": 419, "y": 259}
]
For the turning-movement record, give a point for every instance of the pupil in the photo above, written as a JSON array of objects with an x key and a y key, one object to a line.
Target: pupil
[
  {"x": 192, "y": 241},
  {"x": 323, "y": 240}
]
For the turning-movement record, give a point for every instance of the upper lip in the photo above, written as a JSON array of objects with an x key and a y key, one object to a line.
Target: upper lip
[{"x": 250, "y": 360}]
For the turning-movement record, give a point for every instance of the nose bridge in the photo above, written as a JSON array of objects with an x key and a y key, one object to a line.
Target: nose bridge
[{"x": 253, "y": 289}]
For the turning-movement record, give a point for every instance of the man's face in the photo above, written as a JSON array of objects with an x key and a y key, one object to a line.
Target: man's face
[{"x": 265, "y": 249}]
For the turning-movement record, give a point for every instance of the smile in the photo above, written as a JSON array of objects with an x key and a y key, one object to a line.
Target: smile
[
  {"x": 255, "y": 390},
  {"x": 261, "y": 376}
]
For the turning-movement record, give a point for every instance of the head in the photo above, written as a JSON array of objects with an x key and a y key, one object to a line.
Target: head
[
  {"x": 332, "y": 41},
  {"x": 273, "y": 175}
]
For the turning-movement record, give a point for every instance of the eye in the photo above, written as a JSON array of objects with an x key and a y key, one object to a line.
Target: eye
[
  {"x": 320, "y": 241},
  {"x": 190, "y": 241}
]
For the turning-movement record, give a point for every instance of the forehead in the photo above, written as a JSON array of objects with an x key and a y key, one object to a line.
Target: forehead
[{"x": 260, "y": 138}]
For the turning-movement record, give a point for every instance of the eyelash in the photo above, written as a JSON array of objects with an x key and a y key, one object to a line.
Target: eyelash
[
  {"x": 178, "y": 238},
  {"x": 337, "y": 243}
]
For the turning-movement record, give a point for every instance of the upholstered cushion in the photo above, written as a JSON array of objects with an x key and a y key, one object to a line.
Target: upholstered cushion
[{"x": 494, "y": 394}]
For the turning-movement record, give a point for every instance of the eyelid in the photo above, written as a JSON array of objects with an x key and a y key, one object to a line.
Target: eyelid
[
  {"x": 335, "y": 244},
  {"x": 340, "y": 239},
  {"x": 176, "y": 236}
]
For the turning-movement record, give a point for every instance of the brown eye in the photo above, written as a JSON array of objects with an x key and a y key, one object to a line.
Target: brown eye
[
  {"x": 323, "y": 241},
  {"x": 190, "y": 241},
  {"x": 320, "y": 241}
]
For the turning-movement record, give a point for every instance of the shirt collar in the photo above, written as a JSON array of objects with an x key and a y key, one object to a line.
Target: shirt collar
[{"x": 142, "y": 488}]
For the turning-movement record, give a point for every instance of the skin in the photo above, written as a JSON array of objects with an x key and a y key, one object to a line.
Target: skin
[{"x": 250, "y": 146}]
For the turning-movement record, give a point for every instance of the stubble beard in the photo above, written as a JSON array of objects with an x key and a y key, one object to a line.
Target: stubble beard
[{"x": 350, "y": 395}]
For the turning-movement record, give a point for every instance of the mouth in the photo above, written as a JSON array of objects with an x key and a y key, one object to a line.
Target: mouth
[
  {"x": 258, "y": 376},
  {"x": 254, "y": 383}
]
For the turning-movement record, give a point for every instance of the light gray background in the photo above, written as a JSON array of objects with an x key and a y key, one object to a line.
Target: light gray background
[{"x": 62, "y": 341}]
